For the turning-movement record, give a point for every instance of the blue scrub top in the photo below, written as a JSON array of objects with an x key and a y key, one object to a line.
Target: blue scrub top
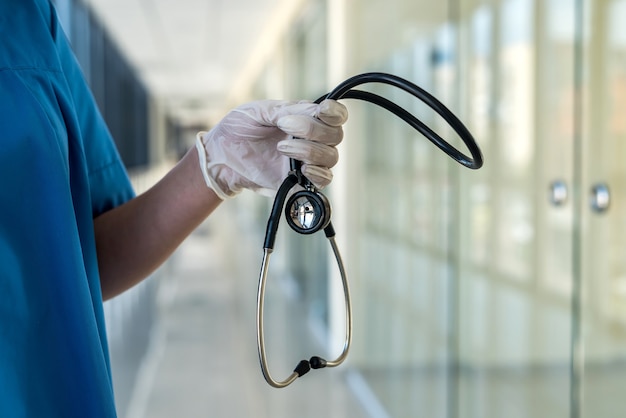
[{"x": 59, "y": 170}]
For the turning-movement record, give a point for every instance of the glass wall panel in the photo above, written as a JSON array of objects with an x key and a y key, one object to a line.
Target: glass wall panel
[
  {"x": 406, "y": 285},
  {"x": 516, "y": 232},
  {"x": 603, "y": 295},
  {"x": 469, "y": 282}
]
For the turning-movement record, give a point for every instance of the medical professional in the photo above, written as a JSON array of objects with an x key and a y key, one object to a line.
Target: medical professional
[{"x": 72, "y": 232}]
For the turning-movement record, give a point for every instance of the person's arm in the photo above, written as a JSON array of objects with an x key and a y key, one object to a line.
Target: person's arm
[
  {"x": 249, "y": 149},
  {"x": 138, "y": 236}
]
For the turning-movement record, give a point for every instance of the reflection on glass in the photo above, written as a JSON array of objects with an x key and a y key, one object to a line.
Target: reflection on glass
[
  {"x": 469, "y": 289},
  {"x": 514, "y": 335},
  {"x": 603, "y": 312}
]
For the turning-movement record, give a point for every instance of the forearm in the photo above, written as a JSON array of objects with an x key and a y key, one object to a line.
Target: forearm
[{"x": 135, "y": 238}]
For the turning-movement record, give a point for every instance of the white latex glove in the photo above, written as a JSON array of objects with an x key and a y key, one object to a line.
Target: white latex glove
[{"x": 250, "y": 148}]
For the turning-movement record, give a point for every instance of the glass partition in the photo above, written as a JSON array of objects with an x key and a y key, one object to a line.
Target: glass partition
[
  {"x": 602, "y": 309},
  {"x": 500, "y": 292},
  {"x": 516, "y": 242},
  {"x": 406, "y": 282}
]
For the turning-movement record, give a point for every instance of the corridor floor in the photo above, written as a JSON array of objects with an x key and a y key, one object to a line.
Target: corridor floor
[{"x": 201, "y": 358}]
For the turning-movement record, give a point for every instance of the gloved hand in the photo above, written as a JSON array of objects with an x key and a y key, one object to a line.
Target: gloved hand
[{"x": 250, "y": 148}]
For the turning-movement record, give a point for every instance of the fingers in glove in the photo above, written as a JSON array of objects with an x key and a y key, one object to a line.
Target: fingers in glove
[
  {"x": 332, "y": 113},
  {"x": 309, "y": 152},
  {"x": 319, "y": 176},
  {"x": 308, "y": 127}
]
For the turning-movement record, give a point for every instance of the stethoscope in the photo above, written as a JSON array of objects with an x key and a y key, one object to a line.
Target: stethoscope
[{"x": 308, "y": 211}]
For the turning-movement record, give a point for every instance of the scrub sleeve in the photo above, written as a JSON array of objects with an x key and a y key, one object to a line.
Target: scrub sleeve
[{"x": 58, "y": 170}]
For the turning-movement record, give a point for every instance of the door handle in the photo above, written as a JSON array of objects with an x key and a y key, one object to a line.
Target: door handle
[
  {"x": 558, "y": 193},
  {"x": 600, "y": 199}
]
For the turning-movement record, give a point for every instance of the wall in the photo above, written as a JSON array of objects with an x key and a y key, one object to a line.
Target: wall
[{"x": 496, "y": 293}]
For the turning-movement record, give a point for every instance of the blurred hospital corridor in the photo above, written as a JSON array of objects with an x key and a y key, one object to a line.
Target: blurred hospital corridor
[
  {"x": 490, "y": 293},
  {"x": 190, "y": 350},
  {"x": 200, "y": 344}
]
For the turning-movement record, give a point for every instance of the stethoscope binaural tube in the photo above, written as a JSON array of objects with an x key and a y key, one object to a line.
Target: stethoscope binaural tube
[
  {"x": 346, "y": 90},
  {"x": 315, "y": 362},
  {"x": 308, "y": 211}
]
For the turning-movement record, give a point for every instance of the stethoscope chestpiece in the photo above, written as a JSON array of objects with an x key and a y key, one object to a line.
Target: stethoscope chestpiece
[{"x": 307, "y": 211}]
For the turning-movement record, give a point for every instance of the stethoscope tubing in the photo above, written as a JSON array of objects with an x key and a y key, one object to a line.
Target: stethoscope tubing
[
  {"x": 347, "y": 300},
  {"x": 346, "y": 90},
  {"x": 304, "y": 366},
  {"x": 260, "y": 328}
]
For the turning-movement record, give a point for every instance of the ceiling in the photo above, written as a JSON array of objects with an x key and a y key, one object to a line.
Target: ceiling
[{"x": 193, "y": 54}]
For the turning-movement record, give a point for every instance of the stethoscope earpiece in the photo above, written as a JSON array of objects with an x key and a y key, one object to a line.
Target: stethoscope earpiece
[{"x": 307, "y": 211}]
